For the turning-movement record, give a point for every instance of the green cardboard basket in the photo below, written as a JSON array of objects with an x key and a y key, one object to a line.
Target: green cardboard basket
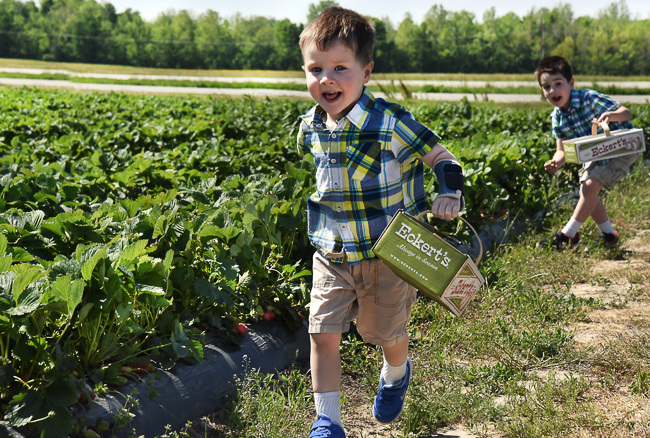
[{"x": 416, "y": 254}]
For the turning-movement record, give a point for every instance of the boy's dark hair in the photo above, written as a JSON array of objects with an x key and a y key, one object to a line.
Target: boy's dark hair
[
  {"x": 353, "y": 29},
  {"x": 554, "y": 65}
]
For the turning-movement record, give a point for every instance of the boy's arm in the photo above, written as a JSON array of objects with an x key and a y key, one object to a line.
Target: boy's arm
[
  {"x": 445, "y": 206},
  {"x": 621, "y": 114},
  {"x": 558, "y": 158}
]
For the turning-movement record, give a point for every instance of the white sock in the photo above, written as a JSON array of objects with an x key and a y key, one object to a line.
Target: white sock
[
  {"x": 606, "y": 227},
  {"x": 571, "y": 228},
  {"x": 329, "y": 403},
  {"x": 392, "y": 374}
]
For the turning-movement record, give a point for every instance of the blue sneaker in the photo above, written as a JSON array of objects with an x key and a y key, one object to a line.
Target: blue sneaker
[
  {"x": 323, "y": 427},
  {"x": 390, "y": 398}
]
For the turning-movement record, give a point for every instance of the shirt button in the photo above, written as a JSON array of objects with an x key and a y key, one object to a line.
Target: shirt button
[
  {"x": 333, "y": 160},
  {"x": 336, "y": 184},
  {"x": 338, "y": 209},
  {"x": 333, "y": 135}
]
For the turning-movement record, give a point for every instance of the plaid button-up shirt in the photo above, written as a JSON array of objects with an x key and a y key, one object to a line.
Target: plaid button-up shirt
[
  {"x": 586, "y": 105},
  {"x": 367, "y": 169}
]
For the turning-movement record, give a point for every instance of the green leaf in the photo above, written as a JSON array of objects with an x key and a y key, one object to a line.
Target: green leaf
[
  {"x": 5, "y": 262},
  {"x": 68, "y": 291},
  {"x": 50, "y": 229},
  {"x": 3, "y": 244},
  {"x": 156, "y": 301},
  {"x": 59, "y": 423},
  {"x": 130, "y": 206},
  {"x": 83, "y": 314},
  {"x": 122, "y": 310},
  {"x": 160, "y": 228},
  {"x": 43, "y": 197},
  {"x": 88, "y": 267},
  {"x": 6, "y": 285},
  {"x": 25, "y": 407},
  {"x": 206, "y": 289},
  {"x": 61, "y": 392},
  {"x": 169, "y": 257},
  {"x": 132, "y": 252},
  {"x": 24, "y": 279},
  {"x": 153, "y": 290},
  {"x": 20, "y": 254},
  {"x": 27, "y": 302}
]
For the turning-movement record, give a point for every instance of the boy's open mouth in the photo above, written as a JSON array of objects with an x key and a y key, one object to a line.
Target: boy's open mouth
[
  {"x": 556, "y": 99},
  {"x": 331, "y": 97}
]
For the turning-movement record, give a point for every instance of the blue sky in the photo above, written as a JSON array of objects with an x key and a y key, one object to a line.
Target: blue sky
[{"x": 296, "y": 11}]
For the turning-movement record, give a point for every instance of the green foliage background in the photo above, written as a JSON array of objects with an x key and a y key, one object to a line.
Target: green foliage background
[{"x": 446, "y": 41}]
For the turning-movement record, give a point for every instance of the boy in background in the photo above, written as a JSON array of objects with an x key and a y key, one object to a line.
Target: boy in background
[
  {"x": 575, "y": 112},
  {"x": 369, "y": 156}
]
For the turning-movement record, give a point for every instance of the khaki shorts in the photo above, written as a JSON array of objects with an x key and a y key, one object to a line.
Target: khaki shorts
[
  {"x": 368, "y": 292},
  {"x": 611, "y": 173}
]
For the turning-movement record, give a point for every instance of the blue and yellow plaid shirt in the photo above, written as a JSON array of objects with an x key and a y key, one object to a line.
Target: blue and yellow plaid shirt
[
  {"x": 586, "y": 105},
  {"x": 367, "y": 169}
]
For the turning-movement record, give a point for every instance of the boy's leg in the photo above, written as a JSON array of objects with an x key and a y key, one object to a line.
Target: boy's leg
[
  {"x": 332, "y": 307},
  {"x": 325, "y": 362},
  {"x": 326, "y": 375},
  {"x": 589, "y": 203},
  {"x": 385, "y": 303},
  {"x": 394, "y": 368}
]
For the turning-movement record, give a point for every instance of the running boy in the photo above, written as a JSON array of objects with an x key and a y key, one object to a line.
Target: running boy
[
  {"x": 575, "y": 112},
  {"x": 368, "y": 154}
]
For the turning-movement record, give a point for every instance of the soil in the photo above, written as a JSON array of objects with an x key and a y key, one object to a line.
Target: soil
[{"x": 624, "y": 286}]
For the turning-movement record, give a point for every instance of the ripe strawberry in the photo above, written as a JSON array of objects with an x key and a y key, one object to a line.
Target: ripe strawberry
[
  {"x": 268, "y": 315},
  {"x": 241, "y": 328}
]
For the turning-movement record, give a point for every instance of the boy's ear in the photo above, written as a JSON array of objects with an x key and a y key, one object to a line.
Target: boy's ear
[
  {"x": 367, "y": 70},
  {"x": 571, "y": 82},
  {"x": 303, "y": 68}
]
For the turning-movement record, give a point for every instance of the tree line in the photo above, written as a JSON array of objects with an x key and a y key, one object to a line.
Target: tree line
[{"x": 612, "y": 43}]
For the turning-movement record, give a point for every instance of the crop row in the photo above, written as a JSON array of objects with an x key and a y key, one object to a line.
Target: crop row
[{"x": 130, "y": 226}]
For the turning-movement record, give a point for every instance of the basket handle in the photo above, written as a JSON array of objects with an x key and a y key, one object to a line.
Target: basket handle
[
  {"x": 480, "y": 245},
  {"x": 605, "y": 126}
]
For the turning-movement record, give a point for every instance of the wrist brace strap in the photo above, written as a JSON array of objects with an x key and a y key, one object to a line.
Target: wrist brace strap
[{"x": 450, "y": 180}]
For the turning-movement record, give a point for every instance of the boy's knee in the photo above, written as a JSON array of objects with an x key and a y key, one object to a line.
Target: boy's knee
[
  {"x": 590, "y": 187},
  {"x": 325, "y": 341}
]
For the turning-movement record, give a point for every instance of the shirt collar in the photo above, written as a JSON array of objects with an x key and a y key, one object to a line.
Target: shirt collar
[{"x": 358, "y": 115}]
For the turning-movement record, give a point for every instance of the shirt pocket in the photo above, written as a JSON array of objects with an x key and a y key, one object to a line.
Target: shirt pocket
[{"x": 364, "y": 160}]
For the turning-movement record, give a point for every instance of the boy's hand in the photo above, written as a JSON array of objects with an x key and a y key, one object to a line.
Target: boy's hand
[
  {"x": 445, "y": 208},
  {"x": 604, "y": 117},
  {"x": 556, "y": 162}
]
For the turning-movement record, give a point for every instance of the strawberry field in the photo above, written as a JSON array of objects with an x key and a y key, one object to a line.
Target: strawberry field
[{"x": 131, "y": 226}]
